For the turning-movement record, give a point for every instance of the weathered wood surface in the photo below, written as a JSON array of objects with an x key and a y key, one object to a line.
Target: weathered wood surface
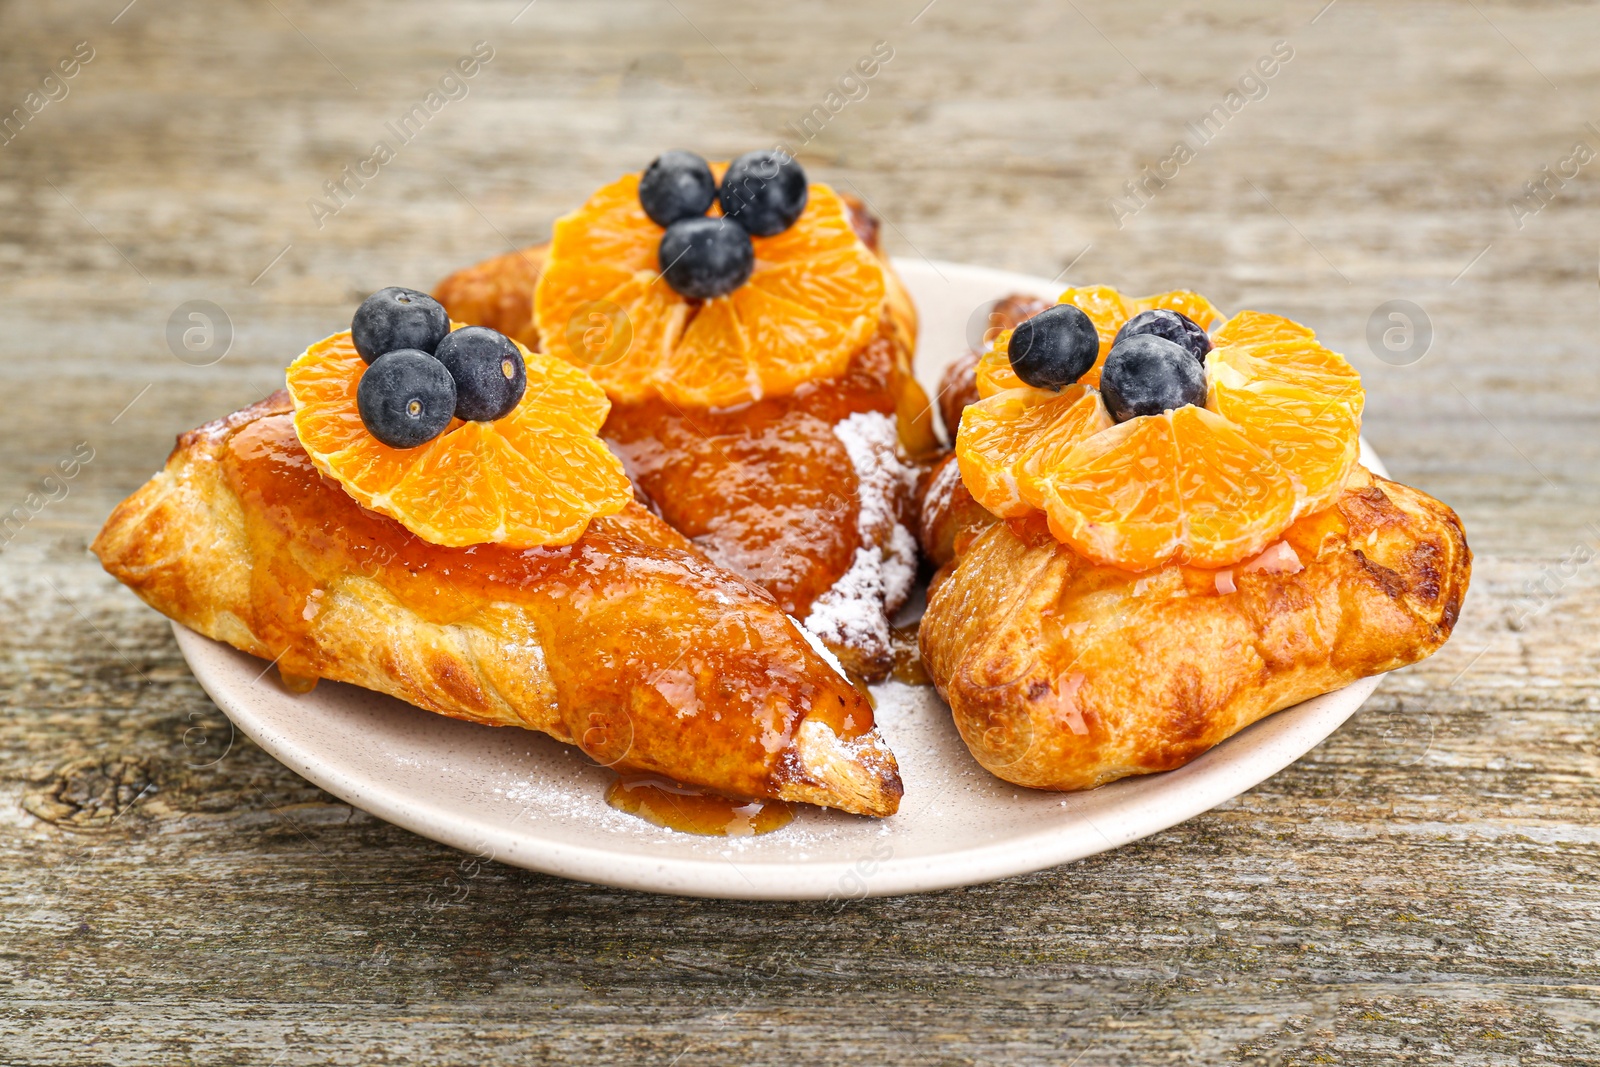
[{"x": 1420, "y": 888}]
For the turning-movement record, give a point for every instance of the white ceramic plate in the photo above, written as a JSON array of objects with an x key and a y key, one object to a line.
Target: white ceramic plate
[{"x": 527, "y": 800}]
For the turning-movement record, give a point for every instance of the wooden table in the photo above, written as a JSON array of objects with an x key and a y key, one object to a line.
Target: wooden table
[{"x": 1421, "y": 888}]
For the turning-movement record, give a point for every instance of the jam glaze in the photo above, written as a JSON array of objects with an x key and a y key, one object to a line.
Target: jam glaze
[
  {"x": 908, "y": 668},
  {"x": 765, "y": 488},
  {"x": 627, "y": 642},
  {"x": 689, "y": 810}
]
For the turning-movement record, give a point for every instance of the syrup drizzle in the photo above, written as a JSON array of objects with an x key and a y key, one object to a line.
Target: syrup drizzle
[
  {"x": 907, "y": 664},
  {"x": 297, "y": 684},
  {"x": 690, "y": 810}
]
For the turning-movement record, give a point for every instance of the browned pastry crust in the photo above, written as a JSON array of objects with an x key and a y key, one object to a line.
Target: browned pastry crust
[
  {"x": 627, "y": 643},
  {"x": 947, "y": 515},
  {"x": 771, "y": 489},
  {"x": 1063, "y": 674}
]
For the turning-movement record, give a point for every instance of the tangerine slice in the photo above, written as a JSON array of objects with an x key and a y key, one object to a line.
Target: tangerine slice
[
  {"x": 1296, "y": 399},
  {"x": 815, "y": 296},
  {"x": 1254, "y": 327},
  {"x": 535, "y": 477},
  {"x": 1006, "y": 439},
  {"x": 994, "y": 373},
  {"x": 1185, "y": 486},
  {"x": 1115, "y": 500},
  {"x": 1109, "y": 310}
]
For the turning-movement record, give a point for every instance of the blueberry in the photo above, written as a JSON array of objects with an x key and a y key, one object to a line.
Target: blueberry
[
  {"x": 396, "y": 318},
  {"x": 488, "y": 370},
  {"x": 406, "y": 397},
  {"x": 677, "y": 185},
  {"x": 704, "y": 258},
  {"x": 1146, "y": 375},
  {"x": 765, "y": 191},
  {"x": 1054, "y": 348},
  {"x": 1177, "y": 328}
]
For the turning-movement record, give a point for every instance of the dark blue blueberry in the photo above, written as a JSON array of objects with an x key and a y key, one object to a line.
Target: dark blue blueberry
[
  {"x": 677, "y": 185},
  {"x": 1146, "y": 375},
  {"x": 1054, "y": 348},
  {"x": 406, "y": 398},
  {"x": 765, "y": 191},
  {"x": 1177, "y": 328},
  {"x": 395, "y": 318},
  {"x": 705, "y": 258},
  {"x": 488, "y": 370}
]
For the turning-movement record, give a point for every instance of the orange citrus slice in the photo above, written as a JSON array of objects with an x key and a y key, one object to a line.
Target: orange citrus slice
[
  {"x": 1109, "y": 310},
  {"x": 535, "y": 477},
  {"x": 1008, "y": 439},
  {"x": 1209, "y": 486},
  {"x": 1183, "y": 486},
  {"x": 1293, "y": 397},
  {"x": 815, "y": 297}
]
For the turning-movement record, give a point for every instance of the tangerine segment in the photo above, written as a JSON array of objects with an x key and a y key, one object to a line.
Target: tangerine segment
[
  {"x": 535, "y": 477},
  {"x": 1114, "y": 498},
  {"x": 814, "y": 298},
  {"x": 716, "y": 350},
  {"x": 1001, "y": 437},
  {"x": 1183, "y": 486},
  {"x": 559, "y": 397},
  {"x": 611, "y": 228},
  {"x": 624, "y": 338},
  {"x": 1315, "y": 440},
  {"x": 994, "y": 373},
  {"x": 1085, "y": 417},
  {"x": 1109, "y": 310},
  {"x": 840, "y": 284},
  {"x": 1291, "y": 396},
  {"x": 1254, "y": 327},
  {"x": 1236, "y": 499}
]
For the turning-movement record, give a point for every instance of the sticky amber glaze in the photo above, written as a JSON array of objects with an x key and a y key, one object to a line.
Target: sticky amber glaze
[
  {"x": 659, "y": 661},
  {"x": 765, "y": 488},
  {"x": 907, "y": 667},
  {"x": 690, "y": 810}
]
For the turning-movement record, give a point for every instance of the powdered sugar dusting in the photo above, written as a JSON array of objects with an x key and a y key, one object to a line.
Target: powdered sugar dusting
[
  {"x": 899, "y": 569},
  {"x": 856, "y": 611}
]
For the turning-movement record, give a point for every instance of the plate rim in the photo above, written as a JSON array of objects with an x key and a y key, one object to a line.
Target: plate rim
[{"x": 1205, "y": 782}]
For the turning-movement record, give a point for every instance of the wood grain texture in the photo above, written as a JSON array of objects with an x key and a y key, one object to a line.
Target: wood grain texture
[{"x": 1421, "y": 888}]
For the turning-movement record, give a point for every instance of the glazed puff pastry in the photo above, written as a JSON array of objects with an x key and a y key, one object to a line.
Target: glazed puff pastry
[
  {"x": 627, "y": 643},
  {"x": 1065, "y": 674},
  {"x": 807, "y": 494}
]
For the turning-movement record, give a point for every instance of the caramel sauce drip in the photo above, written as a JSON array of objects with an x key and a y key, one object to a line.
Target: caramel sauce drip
[
  {"x": 656, "y": 660},
  {"x": 689, "y": 810},
  {"x": 766, "y": 489},
  {"x": 298, "y": 684},
  {"x": 906, "y": 665}
]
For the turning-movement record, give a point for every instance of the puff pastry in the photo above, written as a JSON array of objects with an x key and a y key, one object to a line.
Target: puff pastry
[
  {"x": 809, "y": 495},
  {"x": 627, "y": 643},
  {"x": 1063, "y": 674}
]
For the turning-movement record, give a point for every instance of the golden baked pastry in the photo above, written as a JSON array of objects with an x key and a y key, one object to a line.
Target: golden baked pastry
[
  {"x": 1066, "y": 674},
  {"x": 808, "y": 494},
  {"x": 626, "y": 642}
]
